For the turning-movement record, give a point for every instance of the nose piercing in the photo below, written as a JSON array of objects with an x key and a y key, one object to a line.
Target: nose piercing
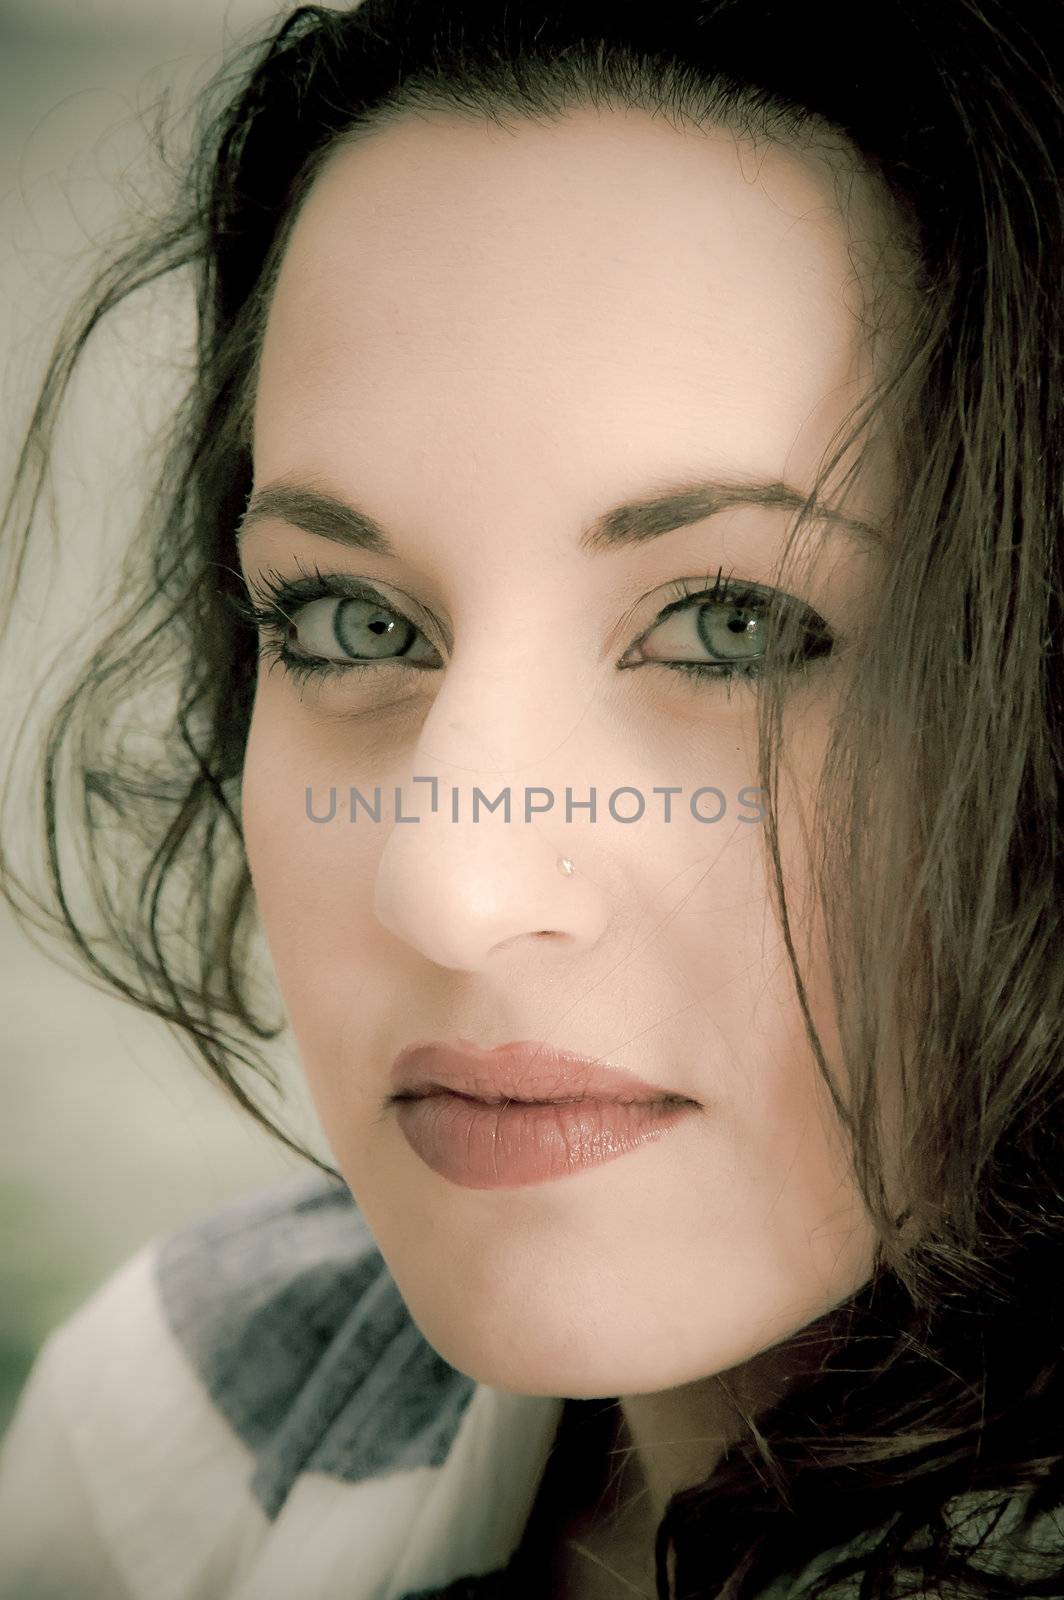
[{"x": 566, "y": 866}]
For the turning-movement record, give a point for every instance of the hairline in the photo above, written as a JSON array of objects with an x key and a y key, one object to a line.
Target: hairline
[{"x": 687, "y": 103}]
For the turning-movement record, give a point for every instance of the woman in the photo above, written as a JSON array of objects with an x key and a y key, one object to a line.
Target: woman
[{"x": 600, "y": 414}]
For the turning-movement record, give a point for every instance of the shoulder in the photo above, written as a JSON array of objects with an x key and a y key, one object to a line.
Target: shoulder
[
  {"x": 253, "y": 1294},
  {"x": 260, "y": 1342},
  {"x": 285, "y": 1310}
]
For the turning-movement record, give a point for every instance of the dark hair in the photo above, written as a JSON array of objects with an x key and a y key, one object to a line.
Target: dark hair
[{"x": 940, "y": 807}]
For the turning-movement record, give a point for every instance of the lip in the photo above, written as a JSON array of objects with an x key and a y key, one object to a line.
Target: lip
[
  {"x": 523, "y": 1070},
  {"x": 522, "y": 1113}
]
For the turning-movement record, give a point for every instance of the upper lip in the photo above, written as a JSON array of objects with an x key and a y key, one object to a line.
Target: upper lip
[{"x": 522, "y": 1070}]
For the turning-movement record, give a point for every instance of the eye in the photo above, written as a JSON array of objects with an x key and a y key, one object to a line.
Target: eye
[
  {"x": 357, "y": 628},
  {"x": 724, "y": 631},
  {"x": 318, "y": 626}
]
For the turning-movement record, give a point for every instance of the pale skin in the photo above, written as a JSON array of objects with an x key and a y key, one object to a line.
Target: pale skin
[{"x": 485, "y": 338}]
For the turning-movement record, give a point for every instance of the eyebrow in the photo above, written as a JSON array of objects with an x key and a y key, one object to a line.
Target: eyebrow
[{"x": 635, "y": 522}]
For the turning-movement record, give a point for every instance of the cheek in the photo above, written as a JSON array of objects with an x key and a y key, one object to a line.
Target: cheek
[{"x": 313, "y": 881}]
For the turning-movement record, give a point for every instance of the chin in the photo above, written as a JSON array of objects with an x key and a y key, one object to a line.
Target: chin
[{"x": 538, "y": 1357}]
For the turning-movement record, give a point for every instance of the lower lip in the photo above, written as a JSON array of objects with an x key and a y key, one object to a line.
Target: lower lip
[{"x": 485, "y": 1146}]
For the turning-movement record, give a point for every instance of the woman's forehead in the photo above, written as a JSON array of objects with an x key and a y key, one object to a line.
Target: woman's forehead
[{"x": 525, "y": 285}]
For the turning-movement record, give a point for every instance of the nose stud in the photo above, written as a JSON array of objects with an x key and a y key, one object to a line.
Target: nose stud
[{"x": 566, "y": 866}]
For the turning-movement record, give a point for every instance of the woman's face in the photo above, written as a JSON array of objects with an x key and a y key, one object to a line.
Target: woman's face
[{"x": 485, "y": 339}]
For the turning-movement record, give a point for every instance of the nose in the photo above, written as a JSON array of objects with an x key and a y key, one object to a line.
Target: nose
[
  {"x": 469, "y": 882},
  {"x": 462, "y": 892}
]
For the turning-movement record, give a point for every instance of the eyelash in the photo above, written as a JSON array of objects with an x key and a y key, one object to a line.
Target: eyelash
[{"x": 273, "y": 597}]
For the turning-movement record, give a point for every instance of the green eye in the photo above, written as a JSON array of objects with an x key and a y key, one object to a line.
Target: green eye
[{"x": 724, "y": 631}]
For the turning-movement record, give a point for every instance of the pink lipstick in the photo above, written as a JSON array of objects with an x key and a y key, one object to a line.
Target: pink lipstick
[{"x": 524, "y": 1112}]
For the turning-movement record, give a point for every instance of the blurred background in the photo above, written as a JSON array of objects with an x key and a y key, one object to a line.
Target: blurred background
[{"x": 108, "y": 1135}]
